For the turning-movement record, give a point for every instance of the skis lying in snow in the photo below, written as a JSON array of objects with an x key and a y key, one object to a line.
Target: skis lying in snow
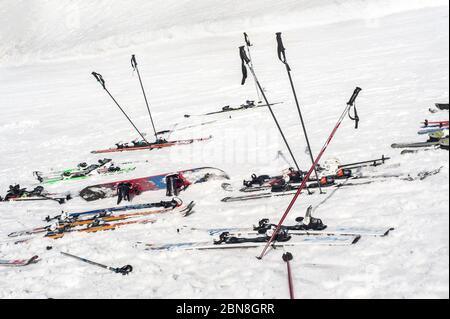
[
  {"x": 427, "y": 123},
  {"x": 82, "y": 171},
  {"x": 101, "y": 221},
  {"x": 292, "y": 188},
  {"x": 339, "y": 230},
  {"x": 226, "y": 109},
  {"x": 332, "y": 240},
  {"x": 19, "y": 262},
  {"x": 95, "y": 227},
  {"x": 151, "y": 146}
]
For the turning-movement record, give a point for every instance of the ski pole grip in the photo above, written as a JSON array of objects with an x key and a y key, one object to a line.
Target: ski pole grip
[
  {"x": 287, "y": 257},
  {"x": 99, "y": 78},
  {"x": 243, "y": 55},
  {"x": 354, "y": 96},
  {"x": 133, "y": 61}
]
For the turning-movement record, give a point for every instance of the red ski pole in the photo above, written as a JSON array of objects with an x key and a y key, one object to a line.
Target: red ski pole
[
  {"x": 287, "y": 257},
  {"x": 350, "y": 103}
]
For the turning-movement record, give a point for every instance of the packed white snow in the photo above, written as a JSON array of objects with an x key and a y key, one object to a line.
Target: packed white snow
[{"x": 53, "y": 113}]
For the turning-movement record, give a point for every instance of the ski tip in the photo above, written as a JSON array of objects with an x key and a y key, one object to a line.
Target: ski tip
[
  {"x": 357, "y": 238},
  {"x": 388, "y": 231},
  {"x": 33, "y": 260}
]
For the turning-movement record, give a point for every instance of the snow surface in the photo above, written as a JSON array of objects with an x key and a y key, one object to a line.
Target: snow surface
[{"x": 54, "y": 114}]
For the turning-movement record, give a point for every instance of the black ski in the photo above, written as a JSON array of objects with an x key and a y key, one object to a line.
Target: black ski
[{"x": 226, "y": 109}]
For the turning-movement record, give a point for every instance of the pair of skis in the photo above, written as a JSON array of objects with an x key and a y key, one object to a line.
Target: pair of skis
[
  {"x": 102, "y": 221},
  {"x": 74, "y": 174},
  {"x": 151, "y": 146},
  {"x": 358, "y": 181},
  {"x": 299, "y": 234}
]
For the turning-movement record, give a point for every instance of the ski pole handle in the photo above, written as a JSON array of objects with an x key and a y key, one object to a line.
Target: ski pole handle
[
  {"x": 99, "y": 78},
  {"x": 243, "y": 55},
  {"x": 133, "y": 62},
  {"x": 354, "y": 96},
  {"x": 125, "y": 270}
]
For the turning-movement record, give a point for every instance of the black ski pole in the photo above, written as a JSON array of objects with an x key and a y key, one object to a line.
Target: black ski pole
[
  {"x": 282, "y": 57},
  {"x": 134, "y": 65},
  {"x": 125, "y": 270},
  {"x": 374, "y": 162},
  {"x": 100, "y": 79},
  {"x": 246, "y": 61},
  {"x": 287, "y": 257},
  {"x": 249, "y": 44}
]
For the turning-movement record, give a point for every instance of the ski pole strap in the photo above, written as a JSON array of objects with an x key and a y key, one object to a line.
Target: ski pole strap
[
  {"x": 351, "y": 103},
  {"x": 245, "y": 60},
  {"x": 133, "y": 62},
  {"x": 99, "y": 78},
  {"x": 282, "y": 51},
  {"x": 247, "y": 40}
]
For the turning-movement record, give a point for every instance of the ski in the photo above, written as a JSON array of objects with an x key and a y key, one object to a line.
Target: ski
[
  {"x": 292, "y": 189},
  {"x": 332, "y": 240},
  {"x": 150, "y": 146},
  {"x": 152, "y": 183},
  {"x": 226, "y": 109},
  {"x": 80, "y": 173},
  {"x": 176, "y": 129},
  {"x": 19, "y": 262},
  {"x": 433, "y": 129},
  {"x": 413, "y": 145},
  {"x": 95, "y": 227},
  {"x": 103, "y": 172}
]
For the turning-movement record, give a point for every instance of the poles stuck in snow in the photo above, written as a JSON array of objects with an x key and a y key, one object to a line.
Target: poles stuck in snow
[
  {"x": 350, "y": 104},
  {"x": 246, "y": 61},
  {"x": 134, "y": 65},
  {"x": 283, "y": 59},
  {"x": 102, "y": 82}
]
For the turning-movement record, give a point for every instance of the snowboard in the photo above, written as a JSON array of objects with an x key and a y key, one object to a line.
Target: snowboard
[{"x": 151, "y": 183}]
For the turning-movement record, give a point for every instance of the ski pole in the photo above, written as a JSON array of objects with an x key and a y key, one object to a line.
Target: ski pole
[
  {"x": 350, "y": 104},
  {"x": 134, "y": 65},
  {"x": 373, "y": 162},
  {"x": 283, "y": 59},
  {"x": 249, "y": 44},
  {"x": 287, "y": 257},
  {"x": 246, "y": 61},
  {"x": 125, "y": 270},
  {"x": 100, "y": 79}
]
